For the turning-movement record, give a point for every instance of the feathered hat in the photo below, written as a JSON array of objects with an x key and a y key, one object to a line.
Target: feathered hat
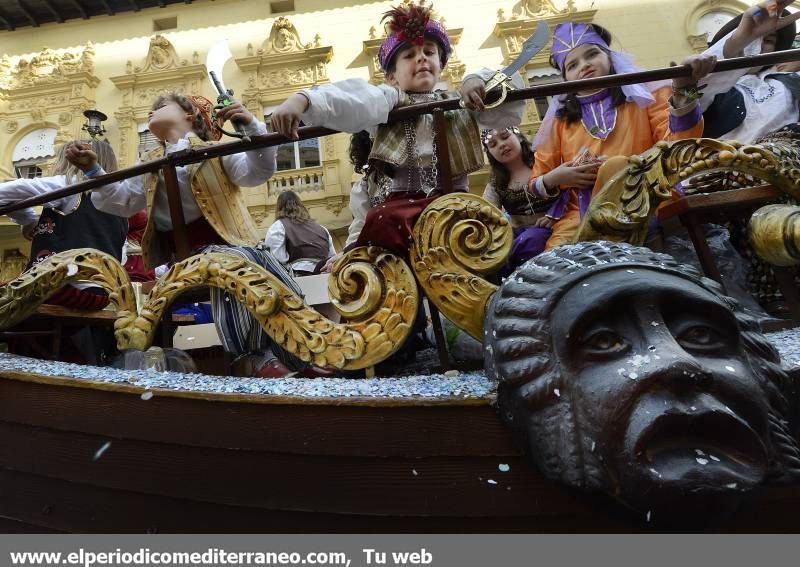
[
  {"x": 204, "y": 107},
  {"x": 410, "y": 25}
]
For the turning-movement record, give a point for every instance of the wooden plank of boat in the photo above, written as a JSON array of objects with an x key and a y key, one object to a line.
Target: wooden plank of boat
[{"x": 210, "y": 461}]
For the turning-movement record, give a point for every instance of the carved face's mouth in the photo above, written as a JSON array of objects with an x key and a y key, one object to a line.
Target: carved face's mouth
[{"x": 712, "y": 445}]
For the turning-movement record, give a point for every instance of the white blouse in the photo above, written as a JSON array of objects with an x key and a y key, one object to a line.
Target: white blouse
[
  {"x": 127, "y": 197},
  {"x": 768, "y": 103}
]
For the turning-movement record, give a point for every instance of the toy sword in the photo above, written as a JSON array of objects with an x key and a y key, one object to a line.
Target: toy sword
[
  {"x": 502, "y": 79},
  {"x": 218, "y": 55}
]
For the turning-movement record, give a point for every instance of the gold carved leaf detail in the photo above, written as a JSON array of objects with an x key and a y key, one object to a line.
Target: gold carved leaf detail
[{"x": 458, "y": 239}]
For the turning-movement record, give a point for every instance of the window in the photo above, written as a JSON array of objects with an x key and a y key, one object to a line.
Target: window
[
  {"x": 147, "y": 141},
  {"x": 30, "y": 168},
  {"x": 710, "y": 23},
  {"x": 296, "y": 155},
  {"x": 538, "y": 77},
  {"x": 33, "y": 150},
  {"x": 280, "y": 6},
  {"x": 304, "y": 153},
  {"x": 164, "y": 24}
]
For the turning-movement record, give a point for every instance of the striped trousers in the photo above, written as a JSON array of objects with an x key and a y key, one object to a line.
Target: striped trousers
[{"x": 238, "y": 330}]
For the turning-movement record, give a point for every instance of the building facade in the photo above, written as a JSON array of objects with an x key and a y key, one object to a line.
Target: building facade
[{"x": 119, "y": 63}]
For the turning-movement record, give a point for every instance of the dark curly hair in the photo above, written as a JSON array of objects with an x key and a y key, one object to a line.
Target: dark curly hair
[
  {"x": 500, "y": 176},
  {"x": 199, "y": 127},
  {"x": 360, "y": 147},
  {"x": 570, "y": 110}
]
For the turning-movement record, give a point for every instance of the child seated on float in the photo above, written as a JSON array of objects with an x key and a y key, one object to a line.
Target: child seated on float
[
  {"x": 68, "y": 223},
  {"x": 510, "y": 162},
  {"x": 412, "y": 56},
  {"x": 221, "y": 224},
  {"x": 619, "y": 121},
  {"x": 746, "y": 104}
]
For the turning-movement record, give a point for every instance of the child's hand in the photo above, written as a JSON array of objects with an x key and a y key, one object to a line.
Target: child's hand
[
  {"x": 27, "y": 230},
  {"x": 326, "y": 269},
  {"x": 81, "y": 156},
  {"x": 701, "y": 66},
  {"x": 758, "y": 21},
  {"x": 544, "y": 222},
  {"x": 568, "y": 175},
  {"x": 472, "y": 93},
  {"x": 286, "y": 118},
  {"x": 235, "y": 112}
]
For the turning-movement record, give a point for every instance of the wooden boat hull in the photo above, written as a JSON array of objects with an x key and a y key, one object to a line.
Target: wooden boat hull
[{"x": 192, "y": 462}]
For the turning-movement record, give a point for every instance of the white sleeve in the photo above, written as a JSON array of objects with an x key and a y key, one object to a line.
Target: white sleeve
[
  {"x": 20, "y": 189},
  {"x": 276, "y": 242},
  {"x": 331, "y": 247},
  {"x": 359, "y": 205},
  {"x": 718, "y": 83},
  {"x": 351, "y": 105},
  {"x": 122, "y": 198},
  {"x": 252, "y": 168},
  {"x": 491, "y": 195},
  {"x": 507, "y": 114}
]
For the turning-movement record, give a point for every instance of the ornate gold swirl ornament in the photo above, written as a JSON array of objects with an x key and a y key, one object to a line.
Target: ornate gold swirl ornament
[
  {"x": 379, "y": 294},
  {"x": 458, "y": 239},
  {"x": 622, "y": 209},
  {"x": 20, "y": 297}
]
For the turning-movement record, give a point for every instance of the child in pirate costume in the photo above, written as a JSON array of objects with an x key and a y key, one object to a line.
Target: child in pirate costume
[
  {"x": 68, "y": 223},
  {"x": 215, "y": 211},
  {"x": 579, "y": 130},
  {"x": 412, "y": 56},
  {"x": 746, "y": 104},
  {"x": 752, "y": 106}
]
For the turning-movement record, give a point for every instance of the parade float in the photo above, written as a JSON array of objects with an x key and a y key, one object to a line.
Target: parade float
[{"x": 692, "y": 426}]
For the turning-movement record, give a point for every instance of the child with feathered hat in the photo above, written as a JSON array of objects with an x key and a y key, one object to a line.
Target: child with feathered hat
[{"x": 412, "y": 56}]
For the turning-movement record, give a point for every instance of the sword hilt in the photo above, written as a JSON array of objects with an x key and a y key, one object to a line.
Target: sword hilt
[{"x": 498, "y": 80}]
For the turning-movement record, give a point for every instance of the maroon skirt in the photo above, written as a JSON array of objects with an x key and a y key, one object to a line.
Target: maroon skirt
[{"x": 390, "y": 224}]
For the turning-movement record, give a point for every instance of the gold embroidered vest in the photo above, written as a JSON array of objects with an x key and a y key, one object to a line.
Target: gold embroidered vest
[
  {"x": 463, "y": 141},
  {"x": 221, "y": 202}
]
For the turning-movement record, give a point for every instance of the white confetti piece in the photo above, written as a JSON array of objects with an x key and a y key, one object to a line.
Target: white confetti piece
[
  {"x": 72, "y": 269},
  {"x": 147, "y": 396},
  {"x": 491, "y": 481},
  {"x": 699, "y": 452},
  {"x": 649, "y": 515},
  {"x": 557, "y": 392},
  {"x": 702, "y": 461},
  {"x": 731, "y": 485},
  {"x": 713, "y": 458},
  {"x": 101, "y": 450},
  {"x": 502, "y": 467},
  {"x": 730, "y": 369}
]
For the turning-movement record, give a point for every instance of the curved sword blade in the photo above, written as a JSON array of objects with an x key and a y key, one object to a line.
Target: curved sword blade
[{"x": 531, "y": 47}]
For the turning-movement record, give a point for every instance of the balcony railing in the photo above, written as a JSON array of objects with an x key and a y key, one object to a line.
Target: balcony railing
[{"x": 305, "y": 180}]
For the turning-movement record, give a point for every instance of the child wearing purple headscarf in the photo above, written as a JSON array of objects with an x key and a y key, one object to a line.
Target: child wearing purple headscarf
[{"x": 579, "y": 129}]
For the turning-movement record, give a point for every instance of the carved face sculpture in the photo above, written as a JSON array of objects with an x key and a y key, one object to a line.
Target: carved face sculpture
[{"x": 622, "y": 372}]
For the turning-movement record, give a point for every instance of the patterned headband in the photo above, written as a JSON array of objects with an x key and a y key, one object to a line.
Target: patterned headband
[
  {"x": 568, "y": 36},
  {"x": 486, "y": 134},
  {"x": 204, "y": 107}
]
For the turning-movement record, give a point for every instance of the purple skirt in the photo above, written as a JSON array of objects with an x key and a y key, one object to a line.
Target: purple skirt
[{"x": 528, "y": 242}]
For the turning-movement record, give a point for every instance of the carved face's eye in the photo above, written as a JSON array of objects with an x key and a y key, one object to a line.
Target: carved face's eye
[
  {"x": 700, "y": 337},
  {"x": 603, "y": 342}
]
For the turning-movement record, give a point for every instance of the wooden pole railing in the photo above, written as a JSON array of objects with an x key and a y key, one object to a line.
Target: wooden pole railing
[{"x": 169, "y": 162}]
